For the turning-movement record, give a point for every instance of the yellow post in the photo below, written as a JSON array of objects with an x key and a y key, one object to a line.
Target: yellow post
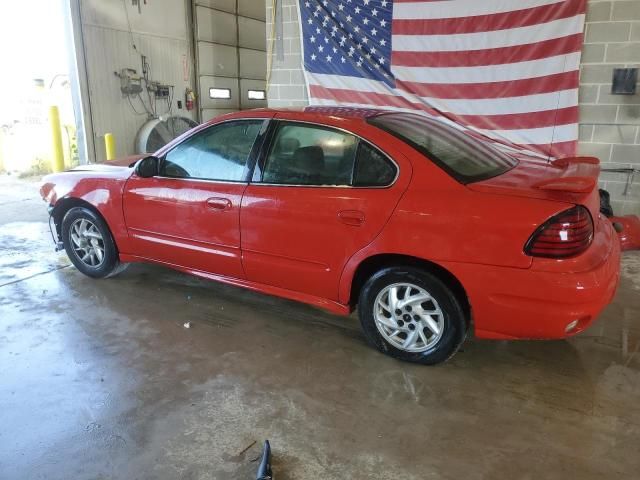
[
  {"x": 57, "y": 163},
  {"x": 110, "y": 146}
]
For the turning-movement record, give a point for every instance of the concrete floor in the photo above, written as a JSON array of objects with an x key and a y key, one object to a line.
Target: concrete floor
[{"x": 100, "y": 380}]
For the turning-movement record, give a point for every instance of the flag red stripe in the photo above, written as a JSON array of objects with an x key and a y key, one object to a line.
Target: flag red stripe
[
  {"x": 491, "y": 22},
  {"x": 547, "y": 118},
  {"x": 512, "y": 88},
  {"x": 490, "y": 56},
  {"x": 522, "y": 121}
]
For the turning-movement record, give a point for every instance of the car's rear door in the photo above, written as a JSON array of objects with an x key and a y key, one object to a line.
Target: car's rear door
[
  {"x": 303, "y": 216},
  {"x": 189, "y": 214}
]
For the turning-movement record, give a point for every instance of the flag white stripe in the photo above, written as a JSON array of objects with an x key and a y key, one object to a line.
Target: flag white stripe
[
  {"x": 350, "y": 83},
  {"x": 479, "y": 106},
  {"x": 335, "y": 103},
  {"x": 463, "y": 8},
  {"x": 490, "y": 73},
  {"x": 532, "y": 136},
  {"x": 540, "y": 136},
  {"x": 504, "y": 106},
  {"x": 485, "y": 40}
]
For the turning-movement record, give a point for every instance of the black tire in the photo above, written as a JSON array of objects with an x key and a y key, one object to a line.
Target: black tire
[
  {"x": 452, "y": 321},
  {"x": 109, "y": 265}
]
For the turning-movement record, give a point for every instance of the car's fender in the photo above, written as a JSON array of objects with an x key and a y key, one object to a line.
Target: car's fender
[
  {"x": 101, "y": 189},
  {"x": 444, "y": 225}
]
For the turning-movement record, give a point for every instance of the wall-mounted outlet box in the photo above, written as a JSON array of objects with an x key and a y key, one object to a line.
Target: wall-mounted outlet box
[
  {"x": 130, "y": 81},
  {"x": 624, "y": 81}
]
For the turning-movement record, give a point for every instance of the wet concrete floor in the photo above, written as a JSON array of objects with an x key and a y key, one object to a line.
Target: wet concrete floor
[{"x": 100, "y": 380}]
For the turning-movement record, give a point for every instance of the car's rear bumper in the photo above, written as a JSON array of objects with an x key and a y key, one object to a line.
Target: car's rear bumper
[
  {"x": 628, "y": 231},
  {"x": 544, "y": 301}
]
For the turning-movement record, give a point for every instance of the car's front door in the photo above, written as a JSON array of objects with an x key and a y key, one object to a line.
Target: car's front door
[
  {"x": 319, "y": 195},
  {"x": 189, "y": 214}
]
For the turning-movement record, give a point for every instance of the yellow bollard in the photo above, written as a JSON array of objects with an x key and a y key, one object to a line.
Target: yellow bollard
[
  {"x": 57, "y": 163},
  {"x": 110, "y": 146}
]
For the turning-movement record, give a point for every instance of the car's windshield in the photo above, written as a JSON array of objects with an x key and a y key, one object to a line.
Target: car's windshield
[{"x": 464, "y": 157}]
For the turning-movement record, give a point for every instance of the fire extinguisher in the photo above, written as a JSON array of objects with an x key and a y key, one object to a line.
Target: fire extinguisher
[{"x": 189, "y": 99}]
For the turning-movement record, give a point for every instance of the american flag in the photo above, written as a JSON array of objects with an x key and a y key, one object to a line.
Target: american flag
[{"x": 504, "y": 69}]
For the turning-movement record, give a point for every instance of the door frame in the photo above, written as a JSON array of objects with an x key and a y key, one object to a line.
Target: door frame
[
  {"x": 256, "y": 149},
  {"x": 275, "y": 122}
]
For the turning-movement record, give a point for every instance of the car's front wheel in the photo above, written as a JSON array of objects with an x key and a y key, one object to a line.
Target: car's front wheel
[
  {"x": 411, "y": 315},
  {"x": 89, "y": 243}
]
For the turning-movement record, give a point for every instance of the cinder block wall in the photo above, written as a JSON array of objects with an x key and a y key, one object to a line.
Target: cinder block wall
[
  {"x": 286, "y": 87},
  {"x": 609, "y": 124}
]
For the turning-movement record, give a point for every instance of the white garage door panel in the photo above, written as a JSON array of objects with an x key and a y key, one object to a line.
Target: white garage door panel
[
  {"x": 245, "y": 86},
  {"x": 216, "y": 59},
  {"x": 252, "y": 8},
  {"x": 252, "y": 33},
  {"x": 219, "y": 82},
  {"x": 253, "y": 64},
  {"x": 215, "y": 26},
  {"x": 226, "y": 5}
]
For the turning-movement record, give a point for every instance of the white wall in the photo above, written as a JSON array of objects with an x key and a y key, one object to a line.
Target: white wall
[
  {"x": 610, "y": 124},
  {"x": 161, "y": 32}
]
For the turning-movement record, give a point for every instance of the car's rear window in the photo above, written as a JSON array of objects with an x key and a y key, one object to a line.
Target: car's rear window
[{"x": 464, "y": 157}]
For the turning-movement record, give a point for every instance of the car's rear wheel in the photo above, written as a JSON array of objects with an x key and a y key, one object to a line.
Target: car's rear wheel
[
  {"x": 411, "y": 315},
  {"x": 89, "y": 243}
]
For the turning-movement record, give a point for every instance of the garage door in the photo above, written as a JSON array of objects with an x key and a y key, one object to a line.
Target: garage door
[{"x": 231, "y": 59}]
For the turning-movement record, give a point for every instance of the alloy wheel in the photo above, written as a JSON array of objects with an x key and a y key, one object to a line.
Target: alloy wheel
[
  {"x": 87, "y": 242},
  {"x": 408, "y": 317}
]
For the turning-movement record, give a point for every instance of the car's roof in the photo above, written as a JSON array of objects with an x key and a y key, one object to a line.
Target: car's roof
[
  {"x": 316, "y": 113},
  {"x": 351, "y": 116},
  {"x": 310, "y": 112},
  {"x": 340, "y": 112}
]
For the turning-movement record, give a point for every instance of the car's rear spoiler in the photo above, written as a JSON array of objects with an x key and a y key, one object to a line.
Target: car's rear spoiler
[{"x": 572, "y": 174}]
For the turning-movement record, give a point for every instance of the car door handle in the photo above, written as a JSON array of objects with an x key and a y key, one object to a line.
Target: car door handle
[
  {"x": 351, "y": 217},
  {"x": 216, "y": 203}
]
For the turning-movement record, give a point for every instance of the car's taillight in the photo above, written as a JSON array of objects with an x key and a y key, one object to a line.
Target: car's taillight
[{"x": 566, "y": 235}]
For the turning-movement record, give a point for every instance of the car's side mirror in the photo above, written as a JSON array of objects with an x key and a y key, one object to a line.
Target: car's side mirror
[{"x": 148, "y": 167}]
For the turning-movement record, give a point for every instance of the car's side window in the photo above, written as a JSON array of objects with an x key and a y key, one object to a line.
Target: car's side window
[
  {"x": 217, "y": 153},
  {"x": 372, "y": 168},
  {"x": 303, "y": 154}
]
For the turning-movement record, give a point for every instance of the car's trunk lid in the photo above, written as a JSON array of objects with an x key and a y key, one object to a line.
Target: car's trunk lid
[{"x": 571, "y": 180}]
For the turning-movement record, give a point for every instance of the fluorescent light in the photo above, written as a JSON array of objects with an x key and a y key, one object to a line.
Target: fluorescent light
[
  {"x": 256, "y": 94},
  {"x": 220, "y": 93}
]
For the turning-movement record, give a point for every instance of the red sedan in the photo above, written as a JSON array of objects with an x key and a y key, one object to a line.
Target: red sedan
[{"x": 422, "y": 227}]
